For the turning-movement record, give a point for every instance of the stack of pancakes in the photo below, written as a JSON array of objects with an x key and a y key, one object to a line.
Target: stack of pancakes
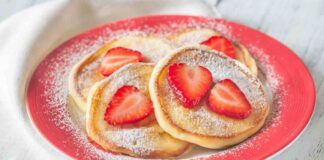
[{"x": 172, "y": 128}]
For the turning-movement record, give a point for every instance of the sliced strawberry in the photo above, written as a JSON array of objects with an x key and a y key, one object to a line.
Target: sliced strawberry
[
  {"x": 227, "y": 99},
  {"x": 220, "y": 43},
  {"x": 117, "y": 57},
  {"x": 128, "y": 105},
  {"x": 189, "y": 83}
]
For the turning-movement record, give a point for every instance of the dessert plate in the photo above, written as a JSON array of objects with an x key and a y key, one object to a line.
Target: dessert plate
[{"x": 283, "y": 73}]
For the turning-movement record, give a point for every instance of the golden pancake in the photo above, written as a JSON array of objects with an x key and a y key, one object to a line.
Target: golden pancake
[
  {"x": 85, "y": 73},
  {"x": 141, "y": 139},
  {"x": 199, "y": 125}
]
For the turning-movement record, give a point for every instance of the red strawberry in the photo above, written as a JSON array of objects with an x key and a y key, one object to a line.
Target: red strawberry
[
  {"x": 220, "y": 43},
  {"x": 189, "y": 83},
  {"x": 227, "y": 99},
  {"x": 128, "y": 105},
  {"x": 117, "y": 57}
]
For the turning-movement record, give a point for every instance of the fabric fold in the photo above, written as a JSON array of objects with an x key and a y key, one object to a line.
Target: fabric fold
[{"x": 27, "y": 37}]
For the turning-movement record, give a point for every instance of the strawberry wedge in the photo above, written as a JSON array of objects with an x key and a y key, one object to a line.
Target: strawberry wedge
[
  {"x": 189, "y": 83},
  {"x": 128, "y": 105},
  {"x": 227, "y": 99},
  {"x": 221, "y": 44},
  {"x": 116, "y": 58}
]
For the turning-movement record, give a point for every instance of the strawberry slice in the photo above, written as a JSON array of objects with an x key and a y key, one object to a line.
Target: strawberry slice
[
  {"x": 117, "y": 57},
  {"x": 128, "y": 105},
  {"x": 189, "y": 83},
  {"x": 220, "y": 43},
  {"x": 227, "y": 99}
]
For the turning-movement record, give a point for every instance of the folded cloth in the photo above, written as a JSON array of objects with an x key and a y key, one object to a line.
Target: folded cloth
[{"x": 28, "y": 36}]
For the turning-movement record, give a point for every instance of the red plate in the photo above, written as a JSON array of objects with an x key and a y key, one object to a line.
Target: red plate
[{"x": 288, "y": 77}]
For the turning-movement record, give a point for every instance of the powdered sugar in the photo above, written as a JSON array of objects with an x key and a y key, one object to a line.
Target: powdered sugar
[
  {"x": 55, "y": 80},
  {"x": 59, "y": 65},
  {"x": 136, "y": 139},
  {"x": 273, "y": 85},
  {"x": 56, "y": 96}
]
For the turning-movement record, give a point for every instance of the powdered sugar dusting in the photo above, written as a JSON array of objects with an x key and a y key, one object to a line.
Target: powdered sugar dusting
[
  {"x": 55, "y": 80},
  {"x": 59, "y": 65},
  {"x": 272, "y": 82},
  {"x": 136, "y": 139},
  {"x": 56, "y": 94}
]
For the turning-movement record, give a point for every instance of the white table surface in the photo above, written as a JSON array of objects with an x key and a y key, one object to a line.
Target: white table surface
[{"x": 299, "y": 24}]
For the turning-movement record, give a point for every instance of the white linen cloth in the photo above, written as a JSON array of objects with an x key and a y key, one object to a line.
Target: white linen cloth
[{"x": 26, "y": 38}]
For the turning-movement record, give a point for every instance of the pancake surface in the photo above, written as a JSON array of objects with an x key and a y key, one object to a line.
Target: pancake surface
[
  {"x": 199, "y": 125},
  {"x": 141, "y": 139},
  {"x": 86, "y": 72},
  {"x": 194, "y": 36}
]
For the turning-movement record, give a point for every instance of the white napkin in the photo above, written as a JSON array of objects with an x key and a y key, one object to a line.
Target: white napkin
[{"x": 28, "y": 36}]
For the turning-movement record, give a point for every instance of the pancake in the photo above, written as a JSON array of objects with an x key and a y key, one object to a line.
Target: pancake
[
  {"x": 141, "y": 139},
  {"x": 194, "y": 36},
  {"x": 85, "y": 73},
  {"x": 200, "y": 125}
]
